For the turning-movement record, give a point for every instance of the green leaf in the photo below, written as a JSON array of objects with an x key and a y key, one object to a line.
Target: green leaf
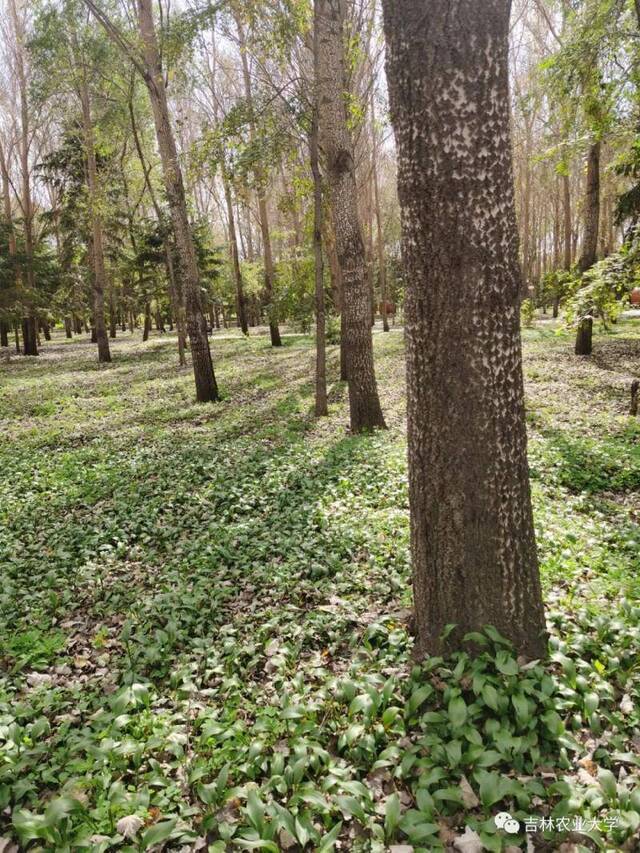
[
  {"x": 327, "y": 842},
  {"x": 490, "y": 696},
  {"x": 457, "y": 711},
  {"x": 391, "y": 816},
  {"x": 157, "y": 833},
  {"x": 608, "y": 784},
  {"x": 418, "y": 697},
  {"x": 255, "y": 809},
  {"x": 506, "y": 664}
]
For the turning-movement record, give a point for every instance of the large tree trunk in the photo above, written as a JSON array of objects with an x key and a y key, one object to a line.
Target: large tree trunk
[
  {"x": 321, "y": 356},
  {"x": 584, "y": 335},
  {"x": 337, "y": 147},
  {"x": 99, "y": 277},
  {"x": 261, "y": 190},
  {"x": 241, "y": 302},
  {"x": 472, "y": 536},
  {"x": 206, "y": 386}
]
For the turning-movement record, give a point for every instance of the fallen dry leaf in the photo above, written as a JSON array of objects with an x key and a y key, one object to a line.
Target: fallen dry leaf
[
  {"x": 468, "y": 843},
  {"x": 128, "y": 826}
]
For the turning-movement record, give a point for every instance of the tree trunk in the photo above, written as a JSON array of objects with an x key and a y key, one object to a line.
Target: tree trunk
[
  {"x": 472, "y": 535},
  {"x": 382, "y": 274},
  {"x": 29, "y": 336},
  {"x": 147, "y": 322},
  {"x": 4, "y": 334},
  {"x": 337, "y": 147},
  {"x": 566, "y": 188},
  {"x": 584, "y": 335},
  {"x": 206, "y": 386},
  {"x": 336, "y": 284},
  {"x": 113, "y": 315},
  {"x": 263, "y": 214},
  {"x": 67, "y": 327},
  {"x": 591, "y": 210},
  {"x": 30, "y": 341},
  {"x": 99, "y": 276},
  {"x": 241, "y": 303},
  {"x": 321, "y": 355}
]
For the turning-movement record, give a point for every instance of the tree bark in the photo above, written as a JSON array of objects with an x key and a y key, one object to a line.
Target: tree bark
[
  {"x": 566, "y": 188},
  {"x": 241, "y": 302},
  {"x": 30, "y": 339},
  {"x": 584, "y": 335},
  {"x": 263, "y": 214},
  {"x": 321, "y": 356},
  {"x": 99, "y": 276},
  {"x": 382, "y": 274},
  {"x": 337, "y": 147},
  {"x": 206, "y": 386},
  {"x": 472, "y": 535}
]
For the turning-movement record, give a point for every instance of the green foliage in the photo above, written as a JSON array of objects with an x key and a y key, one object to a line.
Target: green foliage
[
  {"x": 222, "y": 651},
  {"x": 601, "y": 291},
  {"x": 527, "y": 313}
]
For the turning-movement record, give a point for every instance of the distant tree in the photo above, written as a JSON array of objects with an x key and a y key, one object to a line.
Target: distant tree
[
  {"x": 472, "y": 536},
  {"x": 148, "y": 62},
  {"x": 337, "y": 147}
]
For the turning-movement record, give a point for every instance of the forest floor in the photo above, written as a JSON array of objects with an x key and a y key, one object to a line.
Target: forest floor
[{"x": 203, "y": 614}]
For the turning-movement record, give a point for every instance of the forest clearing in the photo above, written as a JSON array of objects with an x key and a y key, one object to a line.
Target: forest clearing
[{"x": 204, "y": 615}]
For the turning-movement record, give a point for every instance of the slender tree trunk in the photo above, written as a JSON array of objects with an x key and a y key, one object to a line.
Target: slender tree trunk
[
  {"x": 67, "y": 327},
  {"x": 241, "y": 303},
  {"x": 30, "y": 340},
  {"x": 472, "y": 536},
  {"x": 113, "y": 315},
  {"x": 338, "y": 290},
  {"x": 4, "y": 334},
  {"x": 97, "y": 251},
  {"x": 147, "y": 322},
  {"x": 321, "y": 356},
  {"x": 263, "y": 214},
  {"x": 206, "y": 386},
  {"x": 337, "y": 147},
  {"x": 584, "y": 335},
  {"x": 566, "y": 191},
  {"x": 382, "y": 273}
]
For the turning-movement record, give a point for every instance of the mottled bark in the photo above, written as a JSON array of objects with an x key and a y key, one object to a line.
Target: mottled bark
[
  {"x": 241, "y": 302},
  {"x": 337, "y": 147},
  {"x": 584, "y": 335},
  {"x": 472, "y": 536},
  {"x": 187, "y": 272}
]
